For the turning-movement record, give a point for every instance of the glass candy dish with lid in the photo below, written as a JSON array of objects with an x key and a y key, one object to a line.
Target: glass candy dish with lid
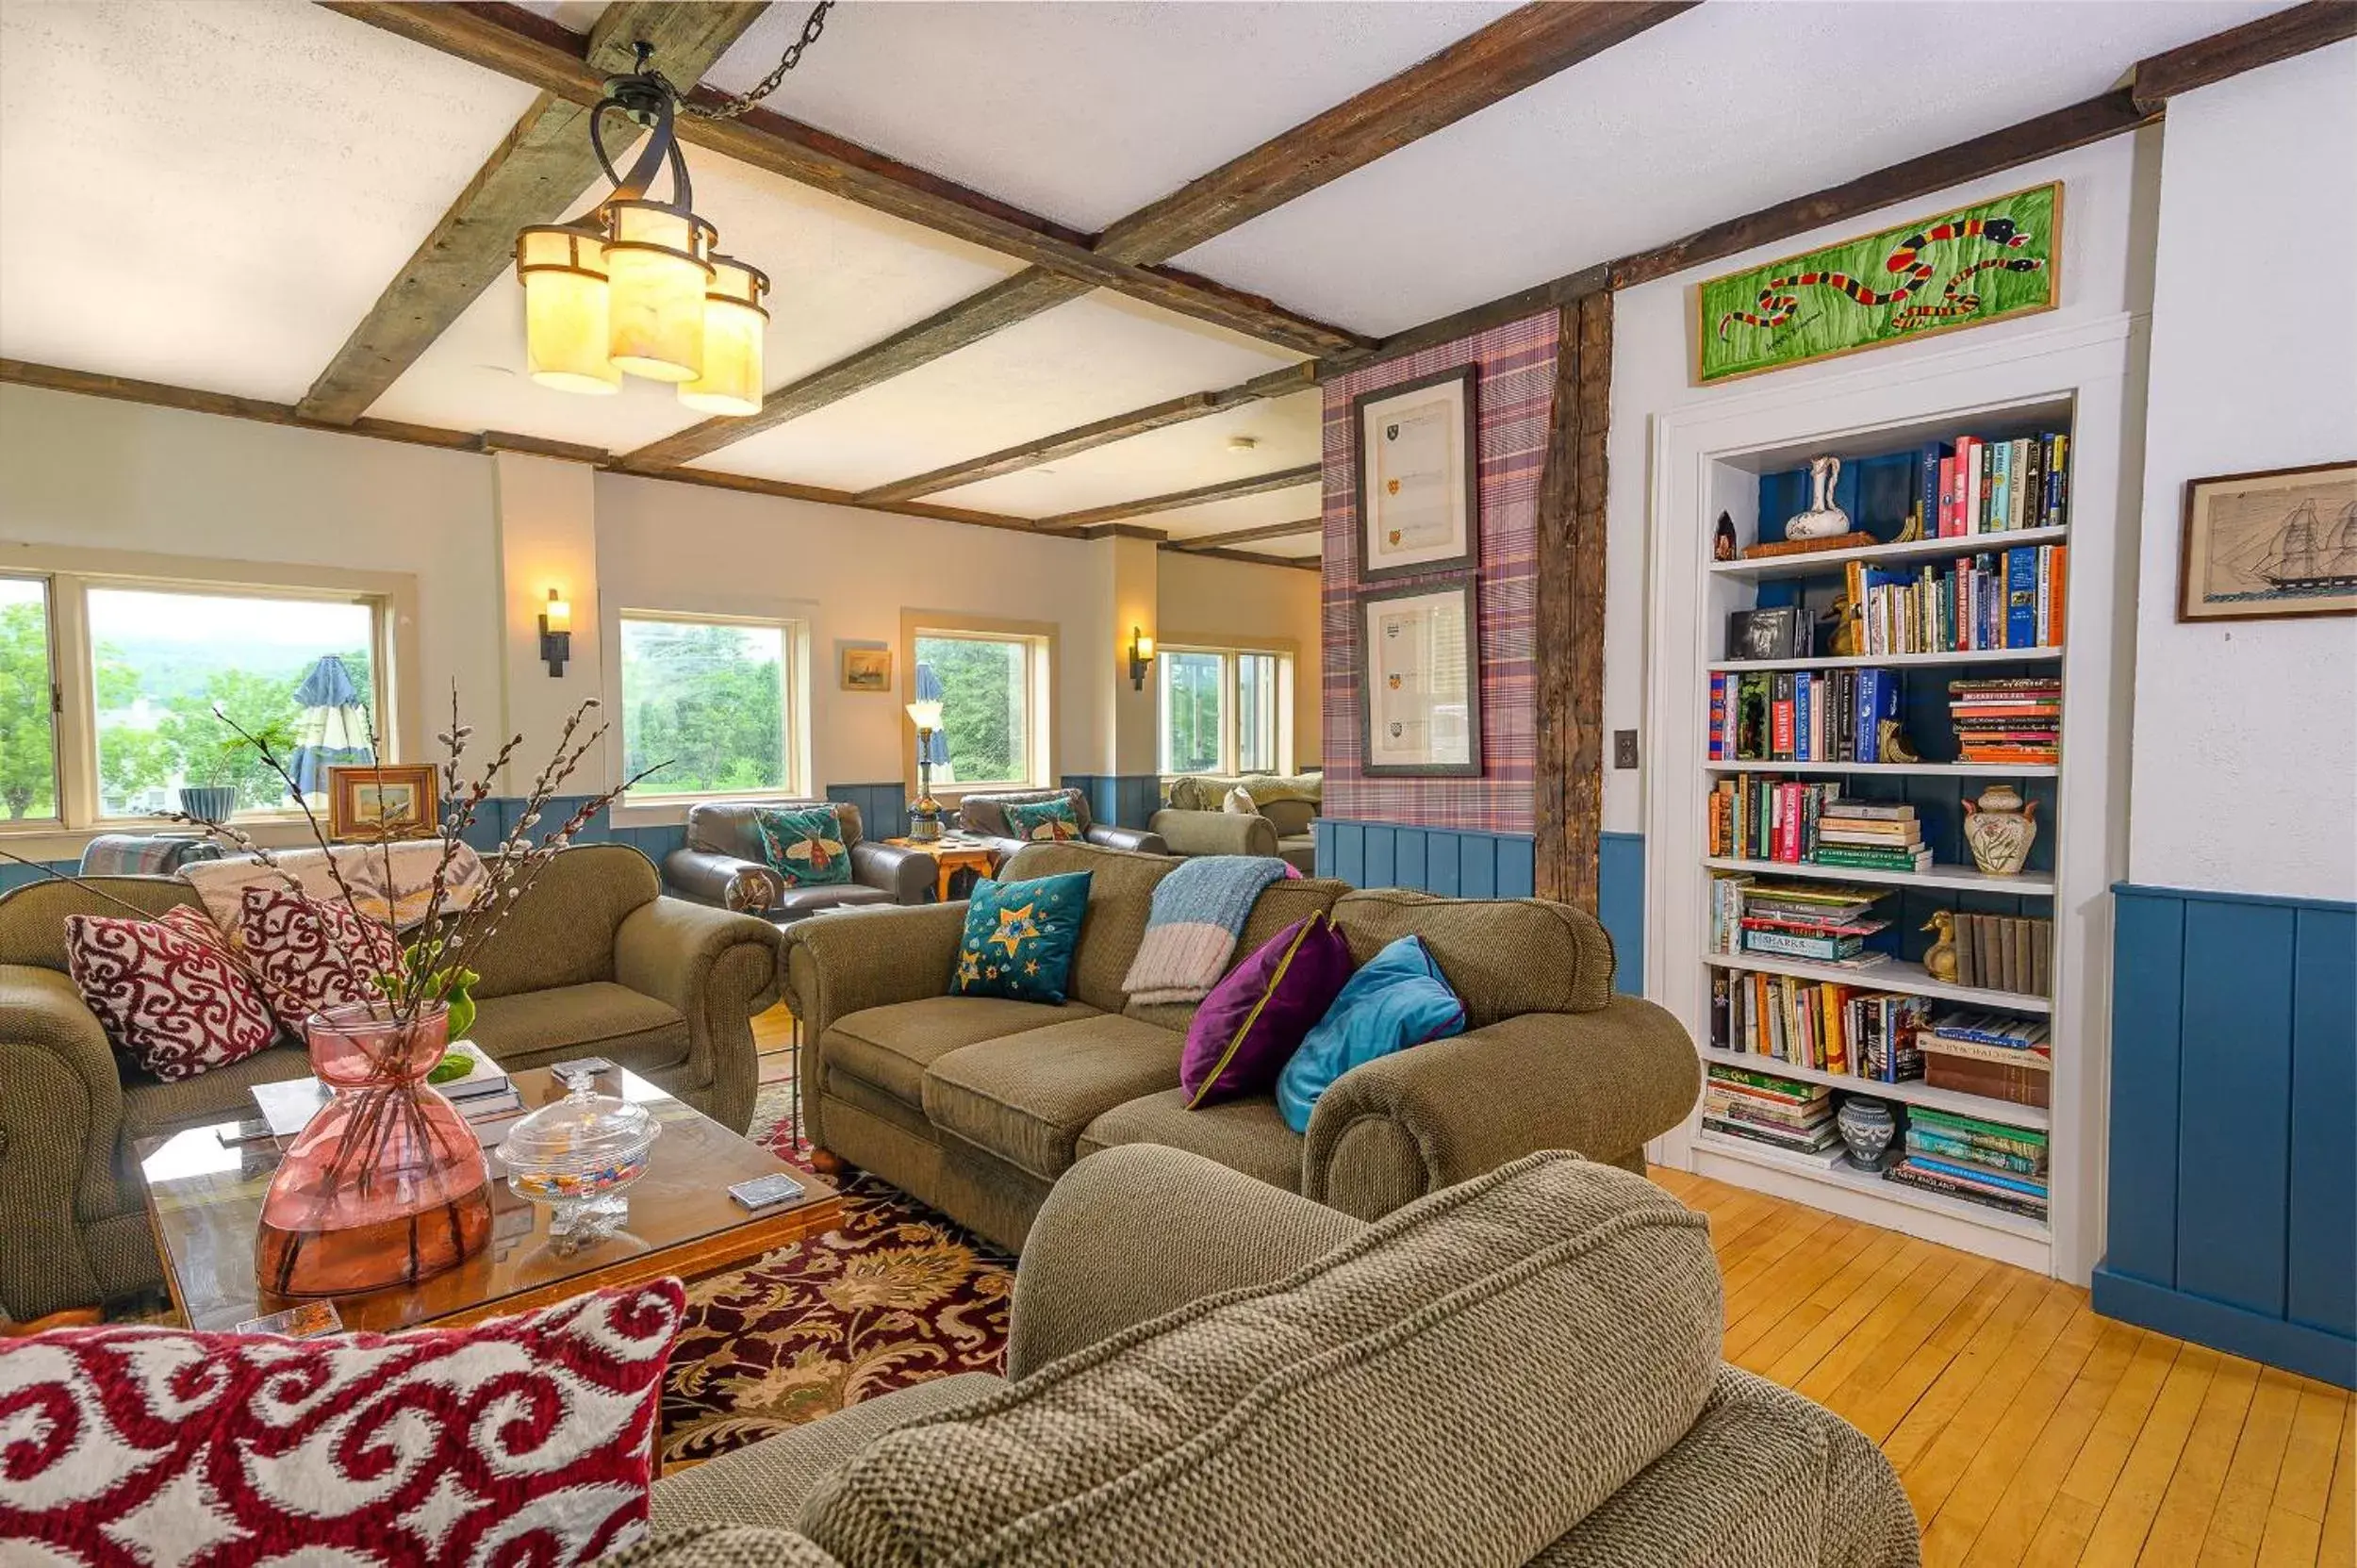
[{"x": 579, "y": 1156}]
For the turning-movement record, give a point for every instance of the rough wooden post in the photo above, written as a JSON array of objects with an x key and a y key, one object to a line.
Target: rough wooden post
[{"x": 1570, "y": 632}]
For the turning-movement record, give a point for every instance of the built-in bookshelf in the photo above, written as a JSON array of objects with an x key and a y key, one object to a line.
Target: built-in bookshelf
[{"x": 1805, "y": 845}]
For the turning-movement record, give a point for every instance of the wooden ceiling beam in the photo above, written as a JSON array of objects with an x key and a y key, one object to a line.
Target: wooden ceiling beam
[
  {"x": 1202, "y": 542},
  {"x": 1226, "y": 489},
  {"x": 534, "y": 175},
  {"x": 2278, "y": 36},
  {"x": 1253, "y": 558},
  {"x": 1047, "y": 449}
]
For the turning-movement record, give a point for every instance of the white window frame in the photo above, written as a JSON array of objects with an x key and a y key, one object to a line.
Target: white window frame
[
  {"x": 1041, "y": 674},
  {"x": 1230, "y": 655},
  {"x": 649, "y": 806},
  {"x": 69, "y": 575}
]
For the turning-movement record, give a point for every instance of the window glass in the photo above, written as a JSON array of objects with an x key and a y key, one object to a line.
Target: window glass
[
  {"x": 985, "y": 687},
  {"x": 1255, "y": 713},
  {"x": 1191, "y": 686},
  {"x": 707, "y": 699},
  {"x": 296, "y": 672},
  {"x": 28, "y": 735}
]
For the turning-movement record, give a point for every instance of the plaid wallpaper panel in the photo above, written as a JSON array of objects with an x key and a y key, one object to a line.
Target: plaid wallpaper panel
[{"x": 1514, "y": 392}]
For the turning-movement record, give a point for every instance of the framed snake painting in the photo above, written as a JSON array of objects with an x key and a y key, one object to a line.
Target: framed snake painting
[{"x": 1986, "y": 262}]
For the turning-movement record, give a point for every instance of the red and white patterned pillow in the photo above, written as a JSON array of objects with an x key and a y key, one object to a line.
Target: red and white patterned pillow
[
  {"x": 310, "y": 953},
  {"x": 168, "y": 992},
  {"x": 522, "y": 1439}
]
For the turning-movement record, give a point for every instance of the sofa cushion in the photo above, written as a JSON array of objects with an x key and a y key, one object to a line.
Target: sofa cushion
[
  {"x": 563, "y": 934},
  {"x": 1396, "y": 1001},
  {"x": 986, "y": 815},
  {"x": 1026, "y": 1098},
  {"x": 1258, "y": 1015},
  {"x": 633, "y": 1029},
  {"x": 170, "y": 992},
  {"x": 891, "y": 1047},
  {"x": 1121, "y": 892},
  {"x": 1247, "y": 1135},
  {"x": 1052, "y": 820},
  {"x": 1291, "y": 818},
  {"x": 1505, "y": 956},
  {"x": 1462, "y": 1382},
  {"x": 804, "y": 845},
  {"x": 150, "y": 1107},
  {"x": 1019, "y": 937}
]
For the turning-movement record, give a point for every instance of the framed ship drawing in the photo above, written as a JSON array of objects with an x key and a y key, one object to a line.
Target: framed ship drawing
[{"x": 2261, "y": 546}]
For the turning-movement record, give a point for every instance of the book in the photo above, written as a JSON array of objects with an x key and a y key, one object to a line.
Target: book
[
  {"x": 1779, "y": 633},
  {"x": 1925, "y": 1141},
  {"x": 2014, "y": 1084},
  {"x": 1824, "y": 1142},
  {"x": 2000, "y": 484},
  {"x": 1823, "y": 949},
  {"x": 1981, "y": 1130},
  {"x": 1908, "y": 1172},
  {"x": 2020, "y": 599},
  {"x": 287, "y": 1106},
  {"x": 1788, "y": 1089},
  {"x": 1930, "y": 485},
  {"x": 1969, "y": 1170}
]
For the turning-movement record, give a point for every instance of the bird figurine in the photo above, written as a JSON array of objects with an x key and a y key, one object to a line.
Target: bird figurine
[
  {"x": 1895, "y": 745},
  {"x": 1941, "y": 961}
]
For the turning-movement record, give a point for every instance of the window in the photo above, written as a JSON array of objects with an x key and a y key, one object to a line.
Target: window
[
  {"x": 110, "y": 683},
  {"x": 1225, "y": 710},
  {"x": 991, "y": 688},
  {"x": 706, "y": 703},
  {"x": 28, "y": 724}
]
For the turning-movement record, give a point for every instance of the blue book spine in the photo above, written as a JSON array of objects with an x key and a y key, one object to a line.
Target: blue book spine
[
  {"x": 1985, "y": 1174},
  {"x": 2020, "y": 599},
  {"x": 1927, "y": 484},
  {"x": 2000, "y": 484},
  {"x": 1800, "y": 719},
  {"x": 1868, "y": 743}
]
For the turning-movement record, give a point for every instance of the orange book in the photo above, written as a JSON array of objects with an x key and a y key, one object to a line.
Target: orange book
[{"x": 2059, "y": 580}]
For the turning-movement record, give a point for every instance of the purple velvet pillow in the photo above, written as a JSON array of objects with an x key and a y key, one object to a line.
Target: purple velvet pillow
[{"x": 1254, "y": 1019}]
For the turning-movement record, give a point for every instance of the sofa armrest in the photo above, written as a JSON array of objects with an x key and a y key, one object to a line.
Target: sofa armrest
[
  {"x": 1215, "y": 832},
  {"x": 908, "y": 875},
  {"x": 717, "y": 968},
  {"x": 1137, "y": 840},
  {"x": 60, "y": 1119},
  {"x": 710, "y": 877},
  {"x": 1598, "y": 1083},
  {"x": 839, "y": 964},
  {"x": 1085, "y": 1276}
]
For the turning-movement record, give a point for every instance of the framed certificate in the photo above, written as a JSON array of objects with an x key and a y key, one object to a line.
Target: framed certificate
[
  {"x": 1418, "y": 461},
  {"x": 1421, "y": 680}
]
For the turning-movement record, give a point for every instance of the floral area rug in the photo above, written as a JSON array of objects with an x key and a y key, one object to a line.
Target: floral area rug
[{"x": 896, "y": 1295}]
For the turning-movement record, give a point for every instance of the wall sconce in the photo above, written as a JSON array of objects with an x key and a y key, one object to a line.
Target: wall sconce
[
  {"x": 556, "y": 633},
  {"x": 1141, "y": 658}
]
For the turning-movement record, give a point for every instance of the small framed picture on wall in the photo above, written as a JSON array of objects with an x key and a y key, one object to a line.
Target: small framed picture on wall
[
  {"x": 1420, "y": 680},
  {"x": 2259, "y": 546},
  {"x": 1417, "y": 460},
  {"x": 866, "y": 665}
]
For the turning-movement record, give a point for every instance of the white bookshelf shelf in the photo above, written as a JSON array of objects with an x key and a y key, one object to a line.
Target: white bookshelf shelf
[
  {"x": 1881, "y": 661},
  {"x": 1921, "y": 770},
  {"x": 1892, "y": 974},
  {"x": 1808, "y": 563},
  {"x": 2028, "y": 885},
  {"x": 1874, "y": 1186},
  {"x": 1911, "y": 1092}
]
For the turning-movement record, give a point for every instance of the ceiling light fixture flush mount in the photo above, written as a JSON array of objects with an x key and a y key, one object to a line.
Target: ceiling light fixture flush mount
[{"x": 637, "y": 286}]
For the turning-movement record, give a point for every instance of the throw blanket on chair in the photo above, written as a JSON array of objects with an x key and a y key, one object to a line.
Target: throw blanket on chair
[
  {"x": 399, "y": 902},
  {"x": 1198, "y": 912}
]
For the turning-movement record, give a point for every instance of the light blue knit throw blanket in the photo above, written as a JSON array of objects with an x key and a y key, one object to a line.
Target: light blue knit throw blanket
[{"x": 1198, "y": 912}]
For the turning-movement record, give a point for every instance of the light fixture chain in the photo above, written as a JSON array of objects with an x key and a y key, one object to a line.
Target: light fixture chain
[{"x": 731, "y": 107}]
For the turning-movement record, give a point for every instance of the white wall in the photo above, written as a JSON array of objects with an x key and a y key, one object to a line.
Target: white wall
[
  {"x": 2245, "y": 760},
  {"x": 1220, "y": 600},
  {"x": 2108, "y": 197}
]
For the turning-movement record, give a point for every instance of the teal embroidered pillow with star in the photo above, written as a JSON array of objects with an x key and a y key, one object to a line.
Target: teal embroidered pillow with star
[
  {"x": 1019, "y": 937},
  {"x": 804, "y": 845}
]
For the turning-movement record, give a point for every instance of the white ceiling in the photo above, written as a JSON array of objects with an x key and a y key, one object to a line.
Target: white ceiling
[
  {"x": 1177, "y": 458},
  {"x": 1291, "y": 504}
]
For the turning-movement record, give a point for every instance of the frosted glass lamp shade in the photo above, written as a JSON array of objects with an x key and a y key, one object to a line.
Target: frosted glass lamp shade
[
  {"x": 734, "y": 322},
  {"x": 566, "y": 317},
  {"x": 925, "y": 716},
  {"x": 655, "y": 267}
]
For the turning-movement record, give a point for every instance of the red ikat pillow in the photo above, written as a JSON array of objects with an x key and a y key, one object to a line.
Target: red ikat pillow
[
  {"x": 169, "y": 992},
  {"x": 523, "y": 1439}
]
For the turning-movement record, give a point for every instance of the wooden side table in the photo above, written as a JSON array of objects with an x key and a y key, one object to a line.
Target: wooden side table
[{"x": 950, "y": 856}]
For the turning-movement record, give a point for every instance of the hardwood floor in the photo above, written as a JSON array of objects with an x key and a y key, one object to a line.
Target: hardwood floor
[{"x": 2025, "y": 1428}]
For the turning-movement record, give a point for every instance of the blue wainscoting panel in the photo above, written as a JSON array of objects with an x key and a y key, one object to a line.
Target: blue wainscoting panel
[
  {"x": 2232, "y": 1198},
  {"x": 884, "y": 808},
  {"x": 13, "y": 875},
  {"x": 1620, "y": 905},
  {"x": 1119, "y": 800}
]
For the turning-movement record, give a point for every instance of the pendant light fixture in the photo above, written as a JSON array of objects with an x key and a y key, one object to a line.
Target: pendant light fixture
[{"x": 634, "y": 286}]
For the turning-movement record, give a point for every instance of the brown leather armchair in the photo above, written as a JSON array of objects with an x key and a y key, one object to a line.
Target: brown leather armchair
[
  {"x": 985, "y": 816},
  {"x": 724, "y": 865}
]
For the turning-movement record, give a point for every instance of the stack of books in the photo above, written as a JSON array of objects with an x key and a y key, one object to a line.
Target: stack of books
[
  {"x": 2012, "y": 598},
  {"x": 1869, "y": 835},
  {"x": 1814, "y": 921},
  {"x": 1983, "y": 1162},
  {"x": 2005, "y": 953},
  {"x": 1759, "y": 1108},
  {"x": 1980, "y": 486},
  {"x": 1801, "y": 714},
  {"x": 1818, "y": 1024},
  {"x": 1993, "y": 1054},
  {"x": 485, "y": 1094},
  {"x": 1767, "y": 818},
  {"x": 2018, "y": 719}
]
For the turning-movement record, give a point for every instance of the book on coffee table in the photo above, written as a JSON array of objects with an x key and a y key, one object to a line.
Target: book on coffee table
[{"x": 486, "y": 1094}]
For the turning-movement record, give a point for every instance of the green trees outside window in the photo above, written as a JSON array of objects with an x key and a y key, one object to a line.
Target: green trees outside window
[
  {"x": 708, "y": 698},
  {"x": 985, "y": 706}
]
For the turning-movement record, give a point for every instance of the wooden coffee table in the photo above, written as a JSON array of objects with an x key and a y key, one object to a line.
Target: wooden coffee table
[{"x": 204, "y": 1198}]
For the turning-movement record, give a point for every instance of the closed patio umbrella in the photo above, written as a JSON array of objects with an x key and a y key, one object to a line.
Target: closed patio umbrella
[{"x": 332, "y": 731}]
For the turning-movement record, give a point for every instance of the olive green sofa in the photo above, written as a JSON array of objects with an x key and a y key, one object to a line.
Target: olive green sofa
[
  {"x": 976, "y": 1105},
  {"x": 1208, "y": 1371},
  {"x": 591, "y": 960},
  {"x": 1283, "y": 822}
]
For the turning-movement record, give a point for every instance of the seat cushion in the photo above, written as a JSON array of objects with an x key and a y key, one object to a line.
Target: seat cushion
[
  {"x": 1247, "y": 1135},
  {"x": 1505, "y": 956},
  {"x": 1462, "y": 1382},
  {"x": 891, "y": 1047},
  {"x": 224, "y": 1094},
  {"x": 529, "y": 1028},
  {"x": 1025, "y": 1098}
]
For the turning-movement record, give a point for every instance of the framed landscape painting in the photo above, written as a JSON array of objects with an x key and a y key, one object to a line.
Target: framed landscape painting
[
  {"x": 1967, "y": 267},
  {"x": 2258, "y": 546},
  {"x": 866, "y": 666},
  {"x": 367, "y": 801}
]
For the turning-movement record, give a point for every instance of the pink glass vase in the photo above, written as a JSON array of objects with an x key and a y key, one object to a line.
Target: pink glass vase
[{"x": 387, "y": 1185}]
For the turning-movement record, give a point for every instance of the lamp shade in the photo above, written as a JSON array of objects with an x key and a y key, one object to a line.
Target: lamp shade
[
  {"x": 557, "y": 615},
  {"x": 566, "y": 315},
  {"x": 925, "y": 714},
  {"x": 657, "y": 275},
  {"x": 734, "y": 322}
]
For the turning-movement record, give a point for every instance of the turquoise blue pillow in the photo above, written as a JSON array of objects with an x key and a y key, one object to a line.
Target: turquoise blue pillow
[
  {"x": 1044, "y": 819},
  {"x": 1019, "y": 937},
  {"x": 1399, "y": 1000},
  {"x": 804, "y": 845}
]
